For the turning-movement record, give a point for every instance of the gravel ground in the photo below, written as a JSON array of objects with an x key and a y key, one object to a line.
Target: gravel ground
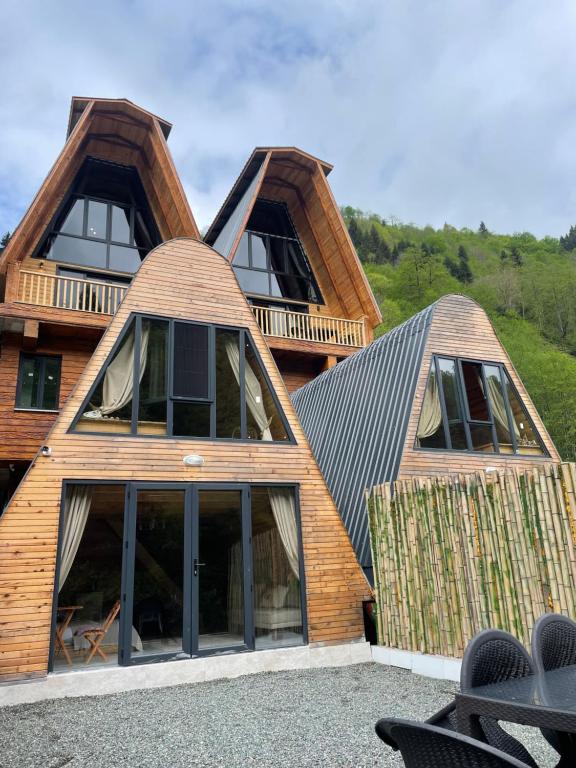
[{"x": 320, "y": 717}]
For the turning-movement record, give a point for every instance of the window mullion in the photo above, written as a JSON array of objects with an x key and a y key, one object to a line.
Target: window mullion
[
  {"x": 461, "y": 393},
  {"x": 170, "y": 381}
]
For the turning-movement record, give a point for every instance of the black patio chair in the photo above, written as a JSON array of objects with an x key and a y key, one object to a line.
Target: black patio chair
[
  {"x": 427, "y": 746},
  {"x": 553, "y": 642},
  {"x": 492, "y": 656}
]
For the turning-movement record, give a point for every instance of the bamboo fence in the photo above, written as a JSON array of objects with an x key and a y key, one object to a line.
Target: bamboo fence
[{"x": 453, "y": 555}]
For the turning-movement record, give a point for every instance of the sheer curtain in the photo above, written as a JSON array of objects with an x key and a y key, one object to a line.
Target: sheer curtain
[
  {"x": 499, "y": 406},
  {"x": 431, "y": 414},
  {"x": 282, "y": 503},
  {"x": 254, "y": 397},
  {"x": 117, "y": 389},
  {"x": 78, "y": 501}
]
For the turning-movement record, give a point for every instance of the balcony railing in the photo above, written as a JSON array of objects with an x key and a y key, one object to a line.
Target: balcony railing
[
  {"x": 49, "y": 290},
  {"x": 297, "y": 325}
]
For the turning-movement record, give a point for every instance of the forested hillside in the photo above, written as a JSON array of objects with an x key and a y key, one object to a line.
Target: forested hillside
[{"x": 527, "y": 286}]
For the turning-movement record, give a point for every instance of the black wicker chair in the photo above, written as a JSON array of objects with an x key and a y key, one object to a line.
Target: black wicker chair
[
  {"x": 427, "y": 746},
  {"x": 553, "y": 642},
  {"x": 492, "y": 656}
]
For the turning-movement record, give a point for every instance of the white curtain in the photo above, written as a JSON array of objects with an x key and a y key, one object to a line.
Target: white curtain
[
  {"x": 282, "y": 503},
  {"x": 499, "y": 406},
  {"x": 117, "y": 389},
  {"x": 431, "y": 414},
  {"x": 78, "y": 501},
  {"x": 254, "y": 397}
]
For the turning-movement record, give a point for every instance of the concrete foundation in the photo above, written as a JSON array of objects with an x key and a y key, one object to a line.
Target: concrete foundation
[{"x": 96, "y": 682}]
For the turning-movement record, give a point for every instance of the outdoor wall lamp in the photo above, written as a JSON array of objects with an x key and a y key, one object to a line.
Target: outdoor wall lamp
[{"x": 193, "y": 460}]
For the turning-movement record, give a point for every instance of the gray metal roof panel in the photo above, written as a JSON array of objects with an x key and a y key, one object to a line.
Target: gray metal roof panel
[{"x": 355, "y": 416}]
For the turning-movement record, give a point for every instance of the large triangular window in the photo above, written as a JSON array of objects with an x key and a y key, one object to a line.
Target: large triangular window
[
  {"x": 270, "y": 260},
  {"x": 473, "y": 406},
  {"x": 105, "y": 222},
  {"x": 184, "y": 379}
]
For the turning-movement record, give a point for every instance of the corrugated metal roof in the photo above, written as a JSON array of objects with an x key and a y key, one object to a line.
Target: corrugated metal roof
[{"x": 355, "y": 416}]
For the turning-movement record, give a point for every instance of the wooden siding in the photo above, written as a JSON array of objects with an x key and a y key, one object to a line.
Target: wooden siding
[
  {"x": 461, "y": 328},
  {"x": 183, "y": 279},
  {"x": 23, "y": 432}
]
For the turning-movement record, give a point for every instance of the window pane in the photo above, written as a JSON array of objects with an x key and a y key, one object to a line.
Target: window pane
[
  {"x": 252, "y": 281},
  {"x": 97, "y": 215},
  {"x": 124, "y": 259},
  {"x": 227, "y": 384},
  {"x": 263, "y": 419},
  {"x": 477, "y": 403},
  {"x": 289, "y": 287},
  {"x": 452, "y": 401},
  {"x": 51, "y": 383},
  {"x": 526, "y": 436},
  {"x": 276, "y": 568},
  {"x": 241, "y": 256},
  {"x": 110, "y": 407},
  {"x": 29, "y": 382},
  {"x": 271, "y": 217},
  {"x": 481, "y": 437},
  {"x": 90, "y": 584},
  {"x": 430, "y": 432},
  {"x": 142, "y": 237},
  {"x": 191, "y": 419},
  {"x": 295, "y": 260},
  {"x": 75, "y": 250},
  {"x": 221, "y": 575},
  {"x": 153, "y": 386},
  {"x": 277, "y": 254},
  {"x": 259, "y": 256},
  {"x": 158, "y": 606},
  {"x": 74, "y": 221},
  {"x": 191, "y": 357},
  {"x": 498, "y": 405},
  {"x": 120, "y": 224}
]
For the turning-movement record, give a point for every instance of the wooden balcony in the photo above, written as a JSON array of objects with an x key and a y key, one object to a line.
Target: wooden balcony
[
  {"x": 283, "y": 324},
  {"x": 48, "y": 290}
]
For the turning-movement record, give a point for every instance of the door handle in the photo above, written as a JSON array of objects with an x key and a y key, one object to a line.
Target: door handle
[{"x": 197, "y": 565}]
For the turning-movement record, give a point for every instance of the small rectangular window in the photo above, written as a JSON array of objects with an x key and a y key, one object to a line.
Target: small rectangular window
[
  {"x": 191, "y": 361},
  {"x": 38, "y": 382}
]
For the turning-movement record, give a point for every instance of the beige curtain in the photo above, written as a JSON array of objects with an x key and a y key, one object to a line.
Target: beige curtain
[
  {"x": 78, "y": 500},
  {"x": 282, "y": 503},
  {"x": 254, "y": 397},
  {"x": 117, "y": 389},
  {"x": 431, "y": 414},
  {"x": 499, "y": 406},
  {"x": 235, "y": 590}
]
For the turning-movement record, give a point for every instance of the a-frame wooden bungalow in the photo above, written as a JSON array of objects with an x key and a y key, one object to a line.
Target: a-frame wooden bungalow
[
  {"x": 282, "y": 231},
  {"x": 436, "y": 395},
  {"x": 176, "y": 509},
  {"x": 112, "y": 195}
]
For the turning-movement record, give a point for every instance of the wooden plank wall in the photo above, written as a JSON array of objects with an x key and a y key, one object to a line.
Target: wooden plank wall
[
  {"x": 183, "y": 279},
  {"x": 461, "y": 328},
  {"x": 23, "y": 432}
]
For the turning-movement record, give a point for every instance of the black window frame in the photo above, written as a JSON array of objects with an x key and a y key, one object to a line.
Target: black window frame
[
  {"x": 245, "y": 337},
  {"x": 42, "y": 357},
  {"x": 310, "y": 278},
  {"x": 468, "y": 421},
  {"x": 191, "y": 490},
  {"x": 136, "y": 206}
]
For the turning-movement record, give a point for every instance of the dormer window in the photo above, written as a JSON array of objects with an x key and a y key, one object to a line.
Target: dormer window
[
  {"x": 270, "y": 259},
  {"x": 105, "y": 223}
]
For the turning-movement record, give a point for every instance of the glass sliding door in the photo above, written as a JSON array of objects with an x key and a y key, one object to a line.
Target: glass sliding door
[
  {"x": 219, "y": 569},
  {"x": 157, "y": 583}
]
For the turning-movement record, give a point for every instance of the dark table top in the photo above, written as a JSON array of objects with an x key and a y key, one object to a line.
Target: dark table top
[{"x": 549, "y": 690}]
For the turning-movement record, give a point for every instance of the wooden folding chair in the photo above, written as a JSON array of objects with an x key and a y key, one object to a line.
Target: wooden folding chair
[{"x": 97, "y": 634}]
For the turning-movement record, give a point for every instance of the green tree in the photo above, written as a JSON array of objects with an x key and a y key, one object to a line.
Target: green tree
[
  {"x": 483, "y": 229},
  {"x": 568, "y": 242}
]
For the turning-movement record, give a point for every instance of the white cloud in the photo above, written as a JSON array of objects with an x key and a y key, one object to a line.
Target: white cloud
[{"x": 454, "y": 110}]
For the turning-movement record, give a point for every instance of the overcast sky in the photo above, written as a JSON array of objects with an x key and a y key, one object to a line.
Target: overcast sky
[{"x": 432, "y": 110}]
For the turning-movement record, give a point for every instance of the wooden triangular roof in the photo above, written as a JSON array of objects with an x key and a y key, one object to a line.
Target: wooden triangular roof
[{"x": 118, "y": 131}]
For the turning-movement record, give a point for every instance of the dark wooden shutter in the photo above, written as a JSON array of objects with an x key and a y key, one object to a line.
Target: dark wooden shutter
[{"x": 191, "y": 355}]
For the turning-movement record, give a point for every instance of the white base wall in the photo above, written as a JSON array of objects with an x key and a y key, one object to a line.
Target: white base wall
[
  {"x": 440, "y": 667},
  {"x": 96, "y": 682}
]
